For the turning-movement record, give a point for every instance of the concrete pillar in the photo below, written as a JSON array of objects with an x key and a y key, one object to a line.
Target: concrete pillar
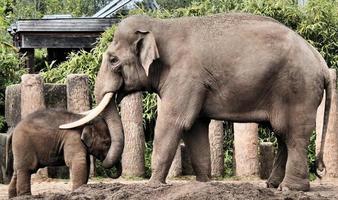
[
  {"x": 266, "y": 158},
  {"x": 246, "y": 149},
  {"x": 32, "y": 99},
  {"x": 330, "y": 156},
  {"x": 133, "y": 163},
  {"x": 78, "y": 100},
  {"x": 176, "y": 166},
  {"x": 216, "y": 138}
]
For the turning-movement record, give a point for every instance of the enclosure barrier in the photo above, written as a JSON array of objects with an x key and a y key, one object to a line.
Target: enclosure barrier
[
  {"x": 134, "y": 142},
  {"x": 78, "y": 100},
  {"x": 250, "y": 157}
]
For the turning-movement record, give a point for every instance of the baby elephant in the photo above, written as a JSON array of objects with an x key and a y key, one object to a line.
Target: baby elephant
[{"x": 37, "y": 142}]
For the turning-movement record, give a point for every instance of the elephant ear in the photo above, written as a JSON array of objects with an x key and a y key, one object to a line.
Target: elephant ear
[
  {"x": 146, "y": 49},
  {"x": 87, "y": 136}
]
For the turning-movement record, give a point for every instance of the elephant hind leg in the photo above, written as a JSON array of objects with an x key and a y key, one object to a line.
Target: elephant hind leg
[
  {"x": 297, "y": 141},
  {"x": 278, "y": 170},
  {"x": 12, "y": 186},
  {"x": 198, "y": 145},
  {"x": 23, "y": 184}
]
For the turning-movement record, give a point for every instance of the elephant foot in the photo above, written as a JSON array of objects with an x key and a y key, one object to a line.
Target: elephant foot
[
  {"x": 156, "y": 182},
  {"x": 202, "y": 178},
  {"x": 297, "y": 186},
  {"x": 273, "y": 182}
]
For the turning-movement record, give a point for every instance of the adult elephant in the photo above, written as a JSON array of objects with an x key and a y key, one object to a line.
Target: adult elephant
[{"x": 237, "y": 67}]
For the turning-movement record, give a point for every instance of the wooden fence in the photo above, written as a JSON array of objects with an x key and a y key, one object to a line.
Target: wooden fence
[{"x": 251, "y": 158}]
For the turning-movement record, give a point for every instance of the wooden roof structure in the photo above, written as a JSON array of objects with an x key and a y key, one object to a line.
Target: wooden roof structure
[{"x": 59, "y": 33}]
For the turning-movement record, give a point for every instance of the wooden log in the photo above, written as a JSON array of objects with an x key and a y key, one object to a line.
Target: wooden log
[
  {"x": 133, "y": 163},
  {"x": 216, "y": 138},
  {"x": 78, "y": 100},
  {"x": 32, "y": 99},
  {"x": 32, "y": 96},
  {"x": 13, "y": 104},
  {"x": 246, "y": 149},
  {"x": 176, "y": 166},
  {"x": 266, "y": 158},
  {"x": 330, "y": 154}
]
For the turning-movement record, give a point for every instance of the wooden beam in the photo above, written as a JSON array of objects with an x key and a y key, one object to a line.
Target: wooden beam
[{"x": 29, "y": 61}]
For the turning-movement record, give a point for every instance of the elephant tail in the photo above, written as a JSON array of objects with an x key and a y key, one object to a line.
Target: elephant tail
[{"x": 320, "y": 166}]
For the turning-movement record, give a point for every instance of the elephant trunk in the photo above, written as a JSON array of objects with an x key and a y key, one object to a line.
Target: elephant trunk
[{"x": 114, "y": 123}]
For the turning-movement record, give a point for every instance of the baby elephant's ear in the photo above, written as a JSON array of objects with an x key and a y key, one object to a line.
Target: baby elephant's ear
[{"x": 87, "y": 136}]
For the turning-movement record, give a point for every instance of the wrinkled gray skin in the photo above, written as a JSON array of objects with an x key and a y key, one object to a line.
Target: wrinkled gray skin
[
  {"x": 37, "y": 142},
  {"x": 236, "y": 67}
]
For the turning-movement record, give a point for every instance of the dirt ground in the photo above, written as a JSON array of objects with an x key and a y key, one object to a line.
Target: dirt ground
[{"x": 56, "y": 189}]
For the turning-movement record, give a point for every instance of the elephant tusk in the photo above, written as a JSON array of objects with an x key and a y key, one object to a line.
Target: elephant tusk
[{"x": 94, "y": 113}]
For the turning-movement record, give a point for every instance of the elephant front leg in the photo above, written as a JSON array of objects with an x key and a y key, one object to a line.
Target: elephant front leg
[
  {"x": 166, "y": 140},
  {"x": 12, "y": 186},
  {"x": 278, "y": 170},
  {"x": 79, "y": 169},
  {"x": 23, "y": 182},
  {"x": 77, "y": 160},
  {"x": 197, "y": 142},
  {"x": 179, "y": 109}
]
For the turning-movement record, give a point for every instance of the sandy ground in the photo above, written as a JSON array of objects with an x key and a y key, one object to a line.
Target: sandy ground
[{"x": 56, "y": 189}]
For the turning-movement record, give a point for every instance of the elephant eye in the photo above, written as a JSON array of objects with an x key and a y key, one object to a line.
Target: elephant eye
[{"x": 114, "y": 60}]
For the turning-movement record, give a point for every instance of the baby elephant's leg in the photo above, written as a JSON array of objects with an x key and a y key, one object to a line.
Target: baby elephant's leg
[
  {"x": 23, "y": 184},
  {"x": 12, "y": 186},
  {"x": 79, "y": 169}
]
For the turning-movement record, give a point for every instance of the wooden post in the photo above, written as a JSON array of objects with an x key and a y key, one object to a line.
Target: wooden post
[
  {"x": 29, "y": 61},
  {"x": 32, "y": 99},
  {"x": 330, "y": 156},
  {"x": 133, "y": 163},
  {"x": 176, "y": 166},
  {"x": 13, "y": 104},
  {"x": 32, "y": 96},
  {"x": 216, "y": 138},
  {"x": 78, "y": 100},
  {"x": 246, "y": 149},
  {"x": 266, "y": 157}
]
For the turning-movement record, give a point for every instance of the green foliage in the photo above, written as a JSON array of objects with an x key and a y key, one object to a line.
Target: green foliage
[
  {"x": 10, "y": 62},
  {"x": 228, "y": 149},
  {"x": 148, "y": 152},
  {"x": 173, "y": 4},
  {"x": 36, "y": 9}
]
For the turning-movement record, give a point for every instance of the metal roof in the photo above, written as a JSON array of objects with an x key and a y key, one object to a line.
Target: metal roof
[{"x": 115, "y": 5}]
